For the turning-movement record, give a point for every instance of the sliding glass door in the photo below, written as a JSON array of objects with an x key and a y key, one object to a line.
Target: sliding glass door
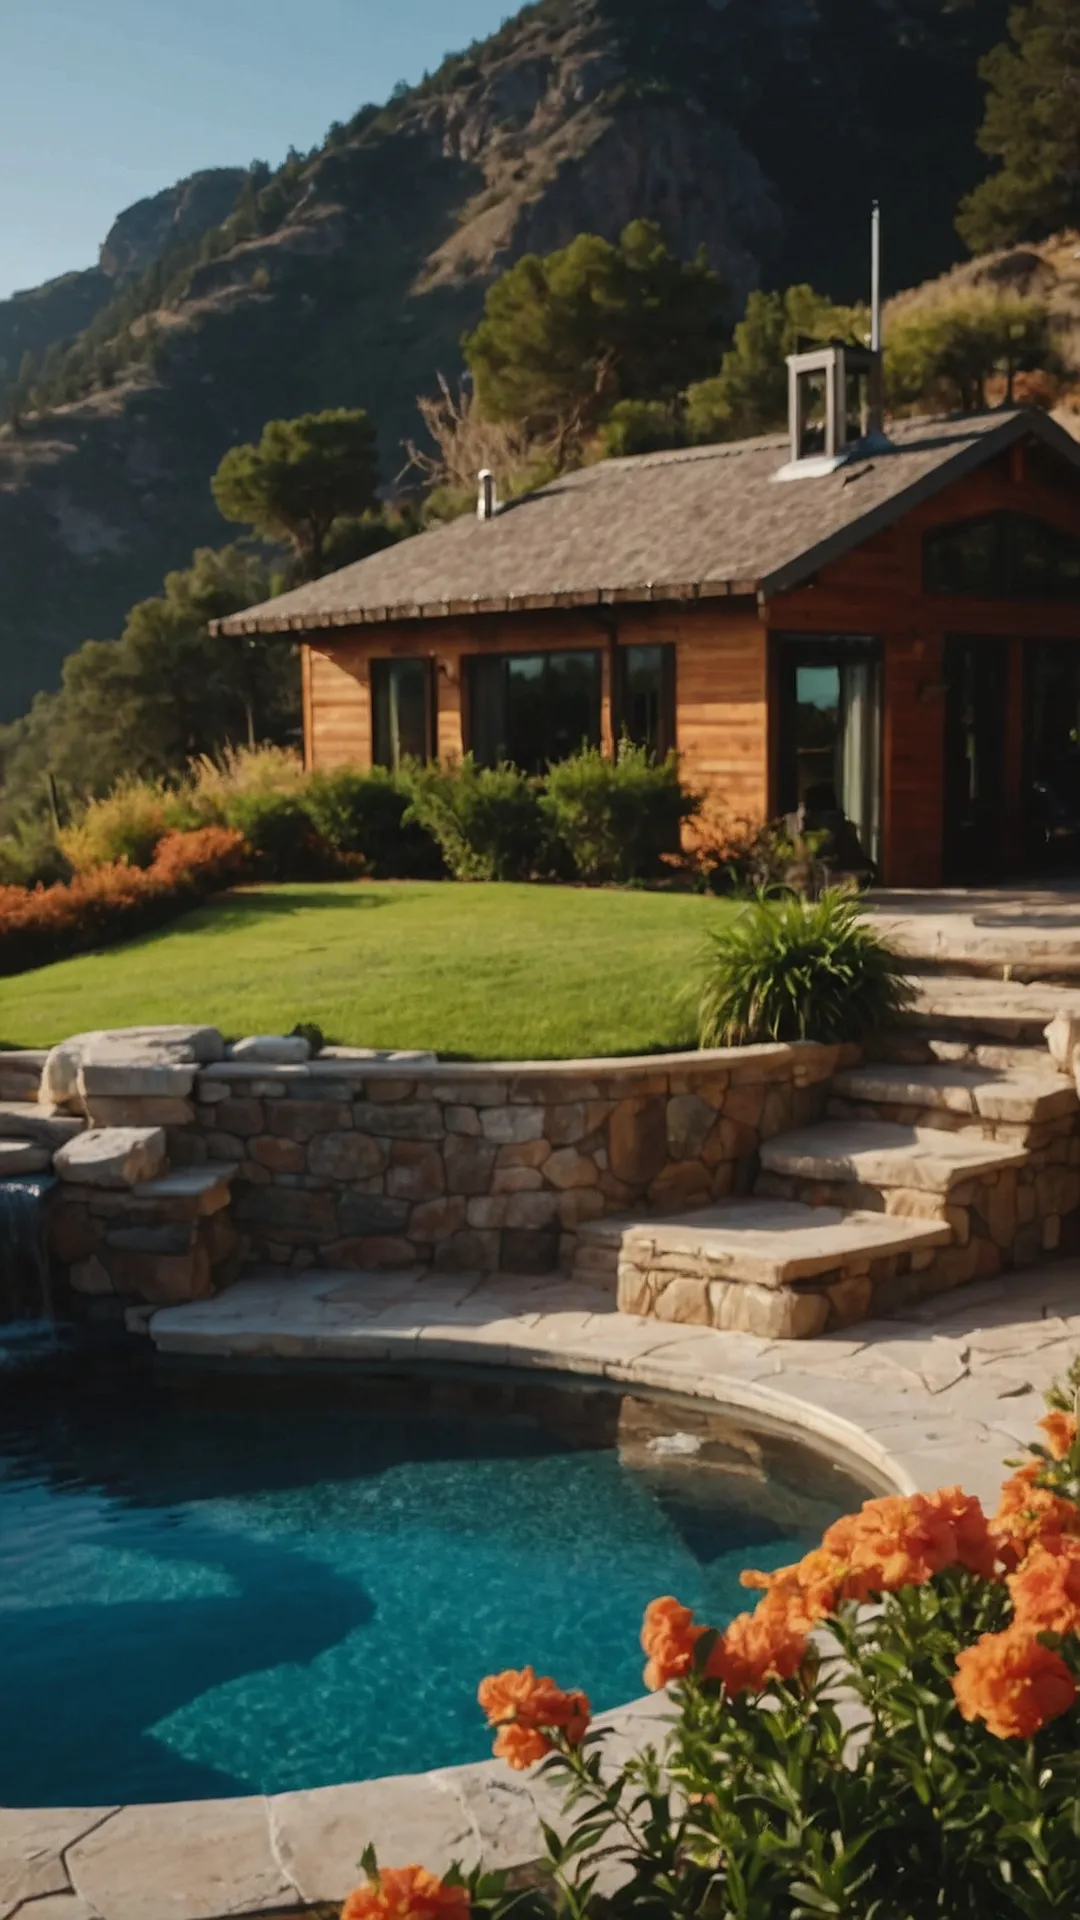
[{"x": 829, "y": 733}]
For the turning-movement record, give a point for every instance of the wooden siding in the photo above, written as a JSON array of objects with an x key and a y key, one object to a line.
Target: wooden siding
[
  {"x": 877, "y": 590},
  {"x": 720, "y": 680},
  {"x": 725, "y": 720}
]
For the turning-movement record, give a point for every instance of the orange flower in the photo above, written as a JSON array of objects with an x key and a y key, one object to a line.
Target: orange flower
[
  {"x": 1029, "y": 1515},
  {"x": 901, "y": 1540},
  {"x": 975, "y": 1549},
  {"x": 669, "y": 1636},
  {"x": 1046, "y": 1591},
  {"x": 407, "y": 1893},
  {"x": 758, "y": 1647},
  {"x": 527, "y": 1709},
  {"x": 809, "y": 1591},
  {"x": 1012, "y": 1683},
  {"x": 1060, "y": 1431}
]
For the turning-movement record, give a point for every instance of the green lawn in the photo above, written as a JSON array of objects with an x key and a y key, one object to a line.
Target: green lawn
[{"x": 482, "y": 972}]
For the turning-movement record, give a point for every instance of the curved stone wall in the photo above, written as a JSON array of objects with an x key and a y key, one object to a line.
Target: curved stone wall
[{"x": 488, "y": 1167}]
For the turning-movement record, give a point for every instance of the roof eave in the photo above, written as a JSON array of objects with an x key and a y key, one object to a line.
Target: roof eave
[{"x": 237, "y": 625}]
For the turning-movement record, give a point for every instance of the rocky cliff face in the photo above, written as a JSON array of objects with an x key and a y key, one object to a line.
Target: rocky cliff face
[
  {"x": 758, "y": 129},
  {"x": 142, "y": 233},
  {"x": 42, "y": 317}
]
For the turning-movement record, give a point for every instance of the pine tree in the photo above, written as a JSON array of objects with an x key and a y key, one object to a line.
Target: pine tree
[{"x": 1032, "y": 127}]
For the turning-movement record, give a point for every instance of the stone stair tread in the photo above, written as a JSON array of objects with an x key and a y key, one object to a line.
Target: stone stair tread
[
  {"x": 1006, "y": 1009},
  {"x": 771, "y": 1242},
  {"x": 47, "y": 1126},
  {"x": 879, "y": 1153},
  {"x": 23, "y": 1156},
  {"x": 1018, "y": 1094}
]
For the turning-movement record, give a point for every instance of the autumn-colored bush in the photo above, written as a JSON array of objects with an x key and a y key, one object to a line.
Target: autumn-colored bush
[
  {"x": 114, "y": 902},
  {"x": 893, "y": 1733}
]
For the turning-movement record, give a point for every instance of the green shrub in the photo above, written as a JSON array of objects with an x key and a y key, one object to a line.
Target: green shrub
[
  {"x": 214, "y": 784},
  {"x": 31, "y": 857},
  {"x": 487, "y": 821},
  {"x": 798, "y": 970},
  {"x": 617, "y": 818},
  {"x": 280, "y": 834},
  {"x": 363, "y": 813},
  {"x": 126, "y": 825}
]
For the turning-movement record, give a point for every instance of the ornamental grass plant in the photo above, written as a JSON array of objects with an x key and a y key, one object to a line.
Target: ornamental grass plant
[
  {"x": 793, "y": 969},
  {"x": 893, "y": 1733}
]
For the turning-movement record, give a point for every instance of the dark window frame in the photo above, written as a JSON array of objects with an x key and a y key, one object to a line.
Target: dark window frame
[
  {"x": 1003, "y": 578},
  {"x": 667, "y": 728},
  {"x": 481, "y": 668},
  {"x": 383, "y": 667}
]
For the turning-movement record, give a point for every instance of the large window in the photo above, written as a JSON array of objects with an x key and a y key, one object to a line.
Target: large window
[
  {"x": 533, "y": 708},
  {"x": 1002, "y": 556},
  {"x": 829, "y": 736},
  {"x": 646, "y": 709},
  {"x": 402, "y": 711}
]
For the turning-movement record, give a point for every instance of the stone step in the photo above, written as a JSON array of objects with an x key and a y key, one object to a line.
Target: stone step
[
  {"x": 23, "y": 1156},
  {"x": 955, "y": 1006},
  {"x": 880, "y": 1154},
  {"x": 912, "y": 1047},
  {"x": 20, "y": 1073},
  {"x": 770, "y": 1243},
  {"x": 47, "y": 1127},
  {"x": 1016, "y": 1096}
]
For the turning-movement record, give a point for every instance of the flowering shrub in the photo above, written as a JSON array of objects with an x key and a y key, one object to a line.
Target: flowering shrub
[
  {"x": 915, "y": 1756},
  {"x": 115, "y": 902}
]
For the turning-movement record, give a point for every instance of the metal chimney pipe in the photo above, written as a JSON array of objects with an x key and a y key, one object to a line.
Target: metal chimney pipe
[
  {"x": 485, "y": 499},
  {"x": 875, "y": 278}
]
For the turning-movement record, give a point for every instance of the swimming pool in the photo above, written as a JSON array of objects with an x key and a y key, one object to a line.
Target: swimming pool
[{"x": 217, "y": 1583}]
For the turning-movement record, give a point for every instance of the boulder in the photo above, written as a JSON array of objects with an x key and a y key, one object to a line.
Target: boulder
[
  {"x": 276, "y": 1049},
  {"x": 112, "y": 1156},
  {"x": 123, "y": 1047}
]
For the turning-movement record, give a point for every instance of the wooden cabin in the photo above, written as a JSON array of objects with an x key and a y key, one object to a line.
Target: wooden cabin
[{"x": 892, "y": 620}]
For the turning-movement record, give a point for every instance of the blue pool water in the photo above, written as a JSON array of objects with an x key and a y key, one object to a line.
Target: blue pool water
[{"x": 213, "y": 1585}]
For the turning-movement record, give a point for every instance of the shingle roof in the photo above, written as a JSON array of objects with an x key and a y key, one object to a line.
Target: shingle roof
[{"x": 693, "y": 523}]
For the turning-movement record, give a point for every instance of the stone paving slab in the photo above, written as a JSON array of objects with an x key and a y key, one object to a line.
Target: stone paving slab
[
  {"x": 1030, "y": 933},
  {"x": 942, "y": 1393}
]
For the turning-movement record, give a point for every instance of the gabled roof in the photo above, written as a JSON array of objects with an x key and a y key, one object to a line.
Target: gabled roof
[{"x": 702, "y": 522}]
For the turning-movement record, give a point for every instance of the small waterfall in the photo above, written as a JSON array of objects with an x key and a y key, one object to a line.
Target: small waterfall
[{"x": 26, "y": 1303}]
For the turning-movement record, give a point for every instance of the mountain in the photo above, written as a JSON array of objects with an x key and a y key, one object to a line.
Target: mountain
[
  {"x": 759, "y": 129},
  {"x": 53, "y": 314}
]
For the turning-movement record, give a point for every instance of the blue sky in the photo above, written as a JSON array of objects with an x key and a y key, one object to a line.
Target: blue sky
[{"x": 108, "y": 100}]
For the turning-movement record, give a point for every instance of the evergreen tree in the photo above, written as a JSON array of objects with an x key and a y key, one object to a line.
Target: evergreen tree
[
  {"x": 750, "y": 393},
  {"x": 166, "y": 691},
  {"x": 1032, "y": 128},
  {"x": 567, "y": 336},
  {"x": 299, "y": 478}
]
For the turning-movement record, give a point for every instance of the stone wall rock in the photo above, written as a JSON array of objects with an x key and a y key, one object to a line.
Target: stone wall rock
[{"x": 351, "y": 1161}]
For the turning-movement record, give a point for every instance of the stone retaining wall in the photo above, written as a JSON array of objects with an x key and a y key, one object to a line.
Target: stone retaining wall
[{"x": 490, "y": 1167}]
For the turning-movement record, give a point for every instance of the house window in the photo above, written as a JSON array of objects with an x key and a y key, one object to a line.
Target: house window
[
  {"x": 402, "y": 711},
  {"x": 647, "y": 697},
  {"x": 533, "y": 708},
  {"x": 1002, "y": 556}
]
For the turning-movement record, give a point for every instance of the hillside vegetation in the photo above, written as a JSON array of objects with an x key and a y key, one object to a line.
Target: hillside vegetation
[{"x": 755, "y": 129}]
